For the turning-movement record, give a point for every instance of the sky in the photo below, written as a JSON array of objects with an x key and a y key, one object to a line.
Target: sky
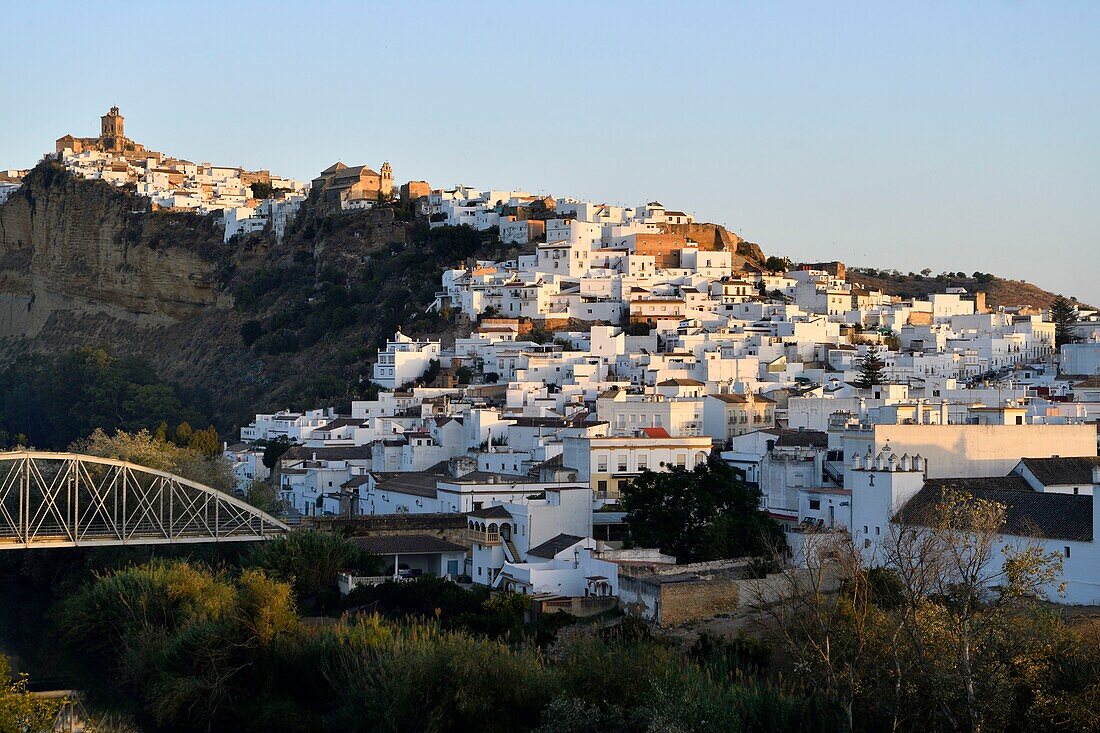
[{"x": 951, "y": 136}]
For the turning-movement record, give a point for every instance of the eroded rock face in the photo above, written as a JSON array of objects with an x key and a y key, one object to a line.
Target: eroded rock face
[
  {"x": 716, "y": 236},
  {"x": 84, "y": 248}
]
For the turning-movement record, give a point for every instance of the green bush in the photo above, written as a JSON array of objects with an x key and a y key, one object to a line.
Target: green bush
[{"x": 310, "y": 560}]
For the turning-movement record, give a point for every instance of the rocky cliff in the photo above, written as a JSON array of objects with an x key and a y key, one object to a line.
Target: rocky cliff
[
  {"x": 85, "y": 263},
  {"x": 83, "y": 248}
]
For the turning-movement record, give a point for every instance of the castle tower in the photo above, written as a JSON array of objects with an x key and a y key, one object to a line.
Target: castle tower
[
  {"x": 386, "y": 182},
  {"x": 112, "y": 131}
]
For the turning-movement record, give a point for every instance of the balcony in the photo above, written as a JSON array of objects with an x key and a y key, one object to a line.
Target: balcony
[{"x": 485, "y": 538}]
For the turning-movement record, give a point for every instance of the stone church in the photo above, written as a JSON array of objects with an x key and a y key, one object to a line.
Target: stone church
[
  {"x": 112, "y": 139},
  {"x": 341, "y": 185}
]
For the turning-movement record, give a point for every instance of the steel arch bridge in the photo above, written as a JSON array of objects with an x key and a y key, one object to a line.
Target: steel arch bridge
[{"x": 73, "y": 500}]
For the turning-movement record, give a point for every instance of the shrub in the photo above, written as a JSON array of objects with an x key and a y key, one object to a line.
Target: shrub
[
  {"x": 250, "y": 331},
  {"x": 309, "y": 560}
]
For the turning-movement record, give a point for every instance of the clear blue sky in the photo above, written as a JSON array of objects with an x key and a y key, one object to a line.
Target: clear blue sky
[{"x": 955, "y": 136}]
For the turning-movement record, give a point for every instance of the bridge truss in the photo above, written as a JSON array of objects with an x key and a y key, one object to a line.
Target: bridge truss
[{"x": 73, "y": 500}]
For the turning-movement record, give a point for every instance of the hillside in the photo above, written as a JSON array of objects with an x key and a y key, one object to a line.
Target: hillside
[
  {"x": 999, "y": 292},
  {"x": 84, "y": 263},
  {"x": 250, "y": 325}
]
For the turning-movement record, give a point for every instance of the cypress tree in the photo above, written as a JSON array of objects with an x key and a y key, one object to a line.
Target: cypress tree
[
  {"x": 1064, "y": 315},
  {"x": 872, "y": 368}
]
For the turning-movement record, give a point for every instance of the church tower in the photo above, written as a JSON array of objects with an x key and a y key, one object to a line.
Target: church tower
[
  {"x": 386, "y": 182},
  {"x": 112, "y": 131}
]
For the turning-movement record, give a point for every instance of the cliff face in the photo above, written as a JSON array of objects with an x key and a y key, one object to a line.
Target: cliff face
[
  {"x": 83, "y": 263},
  {"x": 74, "y": 248}
]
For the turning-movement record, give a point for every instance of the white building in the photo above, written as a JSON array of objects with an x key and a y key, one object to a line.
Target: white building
[{"x": 403, "y": 360}]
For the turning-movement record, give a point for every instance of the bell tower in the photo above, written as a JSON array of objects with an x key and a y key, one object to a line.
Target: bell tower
[
  {"x": 112, "y": 131},
  {"x": 880, "y": 486},
  {"x": 386, "y": 179}
]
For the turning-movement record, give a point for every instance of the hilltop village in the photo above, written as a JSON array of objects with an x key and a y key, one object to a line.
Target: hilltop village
[
  {"x": 624, "y": 341},
  {"x": 634, "y": 340}
]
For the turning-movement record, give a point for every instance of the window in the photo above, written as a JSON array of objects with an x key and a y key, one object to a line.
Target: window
[
  {"x": 878, "y": 530},
  {"x": 1066, "y": 548},
  {"x": 866, "y": 544},
  {"x": 643, "y": 462},
  {"x": 865, "y": 529},
  {"x": 601, "y": 465},
  {"x": 622, "y": 463},
  {"x": 815, "y": 504},
  {"x": 479, "y": 571},
  {"x": 601, "y": 486}
]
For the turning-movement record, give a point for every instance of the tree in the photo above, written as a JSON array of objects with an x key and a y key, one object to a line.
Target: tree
[
  {"x": 183, "y": 434},
  {"x": 822, "y": 614},
  {"x": 274, "y": 450},
  {"x": 205, "y": 442},
  {"x": 146, "y": 450},
  {"x": 262, "y": 190},
  {"x": 777, "y": 264},
  {"x": 310, "y": 560},
  {"x": 1064, "y": 315},
  {"x": 949, "y": 634},
  {"x": 20, "y": 711},
  {"x": 872, "y": 368},
  {"x": 968, "y": 601},
  {"x": 431, "y": 373},
  {"x": 250, "y": 331},
  {"x": 263, "y": 496},
  {"x": 706, "y": 513},
  {"x": 57, "y": 400},
  {"x": 964, "y": 589}
]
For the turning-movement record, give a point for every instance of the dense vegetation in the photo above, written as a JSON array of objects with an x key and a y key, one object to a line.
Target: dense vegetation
[
  {"x": 221, "y": 650},
  {"x": 295, "y": 304},
  {"x": 336, "y": 291},
  {"x": 49, "y": 402}
]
